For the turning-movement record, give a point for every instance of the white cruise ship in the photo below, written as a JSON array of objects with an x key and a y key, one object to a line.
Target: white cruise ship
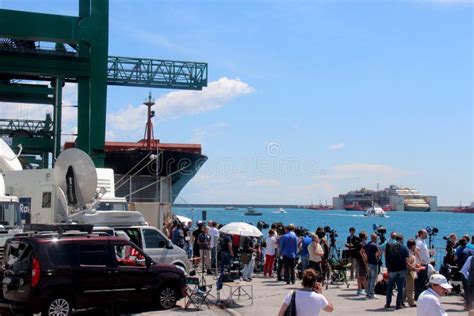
[{"x": 413, "y": 200}]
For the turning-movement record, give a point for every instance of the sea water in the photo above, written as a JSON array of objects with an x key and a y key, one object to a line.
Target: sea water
[{"x": 407, "y": 223}]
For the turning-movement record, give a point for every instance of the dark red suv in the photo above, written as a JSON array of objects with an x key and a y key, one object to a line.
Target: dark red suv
[{"x": 58, "y": 273}]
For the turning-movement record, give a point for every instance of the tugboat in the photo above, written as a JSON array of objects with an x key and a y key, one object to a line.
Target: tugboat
[{"x": 252, "y": 212}]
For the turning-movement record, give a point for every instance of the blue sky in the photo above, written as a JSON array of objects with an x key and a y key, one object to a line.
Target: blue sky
[{"x": 307, "y": 99}]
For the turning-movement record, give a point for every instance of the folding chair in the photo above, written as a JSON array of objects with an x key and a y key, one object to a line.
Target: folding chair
[{"x": 196, "y": 295}]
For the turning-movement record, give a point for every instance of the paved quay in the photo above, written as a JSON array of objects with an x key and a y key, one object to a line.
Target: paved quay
[{"x": 269, "y": 294}]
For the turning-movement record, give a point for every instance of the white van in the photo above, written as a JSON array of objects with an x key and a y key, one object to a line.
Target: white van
[{"x": 154, "y": 243}]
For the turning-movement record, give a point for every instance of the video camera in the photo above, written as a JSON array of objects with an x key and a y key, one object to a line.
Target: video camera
[
  {"x": 301, "y": 231},
  {"x": 332, "y": 234},
  {"x": 262, "y": 225},
  {"x": 432, "y": 231},
  {"x": 380, "y": 230}
]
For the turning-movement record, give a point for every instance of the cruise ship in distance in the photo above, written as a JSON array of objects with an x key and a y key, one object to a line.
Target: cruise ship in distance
[
  {"x": 413, "y": 200},
  {"x": 394, "y": 198}
]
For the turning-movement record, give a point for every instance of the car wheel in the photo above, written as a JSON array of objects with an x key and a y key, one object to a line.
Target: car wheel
[
  {"x": 167, "y": 297},
  {"x": 58, "y": 306}
]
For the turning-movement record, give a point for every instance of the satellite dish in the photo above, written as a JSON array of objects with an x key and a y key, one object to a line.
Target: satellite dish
[
  {"x": 76, "y": 176},
  {"x": 8, "y": 159}
]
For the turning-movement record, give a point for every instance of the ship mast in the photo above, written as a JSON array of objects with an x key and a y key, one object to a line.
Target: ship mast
[{"x": 149, "y": 136}]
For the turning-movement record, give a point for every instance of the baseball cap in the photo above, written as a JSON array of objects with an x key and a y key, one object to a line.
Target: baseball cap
[{"x": 440, "y": 280}]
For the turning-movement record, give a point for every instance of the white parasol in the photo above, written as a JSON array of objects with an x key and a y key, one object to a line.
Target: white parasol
[
  {"x": 242, "y": 229},
  {"x": 183, "y": 219}
]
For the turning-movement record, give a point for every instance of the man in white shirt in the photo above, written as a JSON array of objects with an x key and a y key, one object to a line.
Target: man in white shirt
[
  {"x": 428, "y": 302},
  {"x": 423, "y": 259},
  {"x": 214, "y": 233},
  {"x": 468, "y": 273}
]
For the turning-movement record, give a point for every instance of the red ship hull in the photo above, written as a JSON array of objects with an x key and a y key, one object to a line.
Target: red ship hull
[{"x": 467, "y": 209}]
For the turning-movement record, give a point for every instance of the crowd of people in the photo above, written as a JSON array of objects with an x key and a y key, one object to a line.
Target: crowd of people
[{"x": 407, "y": 264}]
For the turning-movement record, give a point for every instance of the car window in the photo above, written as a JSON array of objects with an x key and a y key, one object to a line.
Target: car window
[
  {"x": 18, "y": 256},
  {"x": 154, "y": 239},
  {"x": 61, "y": 254},
  {"x": 93, "y": 255},
  {"x": 129, "y": 256}
]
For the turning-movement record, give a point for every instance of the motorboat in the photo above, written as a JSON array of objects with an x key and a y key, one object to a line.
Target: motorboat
[
  {"x": 230, "y": 208},
  {"x": 251, "y": 212},
  {"x": 375, "y": 210},
  {"x": 280, "y": 211}
]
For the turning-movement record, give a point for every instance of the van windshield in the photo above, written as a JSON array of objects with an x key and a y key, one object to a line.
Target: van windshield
[{"x": 10, "y": 214}]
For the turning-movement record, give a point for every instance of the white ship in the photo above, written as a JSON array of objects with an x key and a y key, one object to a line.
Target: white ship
[
  {"x": 413, "y": 200},
  {"x": 375, "y": 210}
]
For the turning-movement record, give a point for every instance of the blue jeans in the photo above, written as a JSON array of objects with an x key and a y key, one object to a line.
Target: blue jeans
[
  {"x": 248, "y": 269},
  {"x": 304, "y": 263},
  {"x": 397, "y": 277},
  {"x": 371, "y": 280}
]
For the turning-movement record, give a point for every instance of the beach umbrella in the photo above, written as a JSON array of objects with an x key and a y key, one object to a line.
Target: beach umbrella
[
  {"x": 242, "y": 229},
  {"x": 183, "y": 219}
]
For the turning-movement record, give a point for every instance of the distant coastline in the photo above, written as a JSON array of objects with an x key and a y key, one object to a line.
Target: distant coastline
[{"x": 276, "y": 206}]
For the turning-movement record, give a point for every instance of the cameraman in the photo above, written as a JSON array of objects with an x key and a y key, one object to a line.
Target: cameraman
[
  {"x": 351, "y": 243},
  {"x": 422, "y": 259}
]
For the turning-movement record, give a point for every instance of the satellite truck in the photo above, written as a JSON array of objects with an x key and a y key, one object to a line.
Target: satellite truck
[
  {"x": 10, "y": 213},
  {"x": 69, "y": 194}
]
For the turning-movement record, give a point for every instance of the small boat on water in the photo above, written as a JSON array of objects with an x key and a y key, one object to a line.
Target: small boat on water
[
  {"x": 280, "y": 211},
  {"x": 252, "y": 212},
  {"x": 374, "y": 211},
  {"x": 230, "y": 208}
]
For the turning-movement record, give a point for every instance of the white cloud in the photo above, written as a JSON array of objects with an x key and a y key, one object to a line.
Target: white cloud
[
  {"x": 215, "y": 96},
  {"x": 181, "y": 103},
  {"x": 261, "y": 182},
  {"x": 336, "y": 146}
]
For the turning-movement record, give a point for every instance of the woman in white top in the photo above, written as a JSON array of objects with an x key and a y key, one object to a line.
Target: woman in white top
[
  {"x": 316, "y": 254},
  {"x": 309, "y": 300},
  {"x": 269, "y": 253}
]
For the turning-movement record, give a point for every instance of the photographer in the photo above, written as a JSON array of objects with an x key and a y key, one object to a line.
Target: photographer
[
  {"x": 422, "y": 259},
  {"x": 351, "y": 242},
  {"x": 309, "y": 300}
]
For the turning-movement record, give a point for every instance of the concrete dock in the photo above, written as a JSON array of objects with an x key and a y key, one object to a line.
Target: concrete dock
[{"x": 269, "y": 294}]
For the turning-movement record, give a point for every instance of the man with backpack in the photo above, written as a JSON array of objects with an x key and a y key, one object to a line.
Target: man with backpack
[{"x": 396, "y": 256}]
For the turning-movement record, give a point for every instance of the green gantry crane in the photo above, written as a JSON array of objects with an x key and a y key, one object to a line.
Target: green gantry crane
[{"x": 80, "y": 55}]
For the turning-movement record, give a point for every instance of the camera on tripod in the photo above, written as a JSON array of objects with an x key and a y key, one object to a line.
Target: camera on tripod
[
  {"x": 332, "y": 233},
  {"x": 301, "y": 231},
  {"x": 262, "y": 225},
  {"x": 432, "y": 231},
  {"x": 380, "y": 231}
]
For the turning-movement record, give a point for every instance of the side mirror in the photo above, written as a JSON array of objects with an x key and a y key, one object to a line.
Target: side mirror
[{"x": 169, "y": 245}]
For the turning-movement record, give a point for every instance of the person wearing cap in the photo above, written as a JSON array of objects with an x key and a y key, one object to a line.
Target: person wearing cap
[{"x": 428, "y": 303}]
